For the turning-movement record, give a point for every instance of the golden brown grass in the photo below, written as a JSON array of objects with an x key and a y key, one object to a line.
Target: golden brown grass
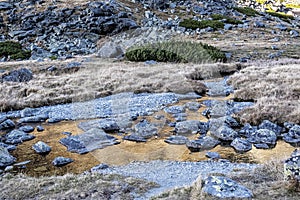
[
  {"x": 275, "y": 89},
  {"x": 69, "y": 186},
  {"x": 101, "y": 78}
]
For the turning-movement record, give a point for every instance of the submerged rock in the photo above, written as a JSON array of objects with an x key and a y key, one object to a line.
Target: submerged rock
[
  {"x": 88, "y": 141},
  {"x": 61, "y": 161},
  {"x": 5, "y": 158},
  {"x": 41, "y": 147},
  {"x": 223, "y": 187},
  {"x": 17, "y": 137}
]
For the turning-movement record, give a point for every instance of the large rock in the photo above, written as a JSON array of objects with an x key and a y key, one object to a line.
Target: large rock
[
  {"x": 263, "y": 136},
  {"x": 203, "y": 143},
  {"x": 225, "y": 133},
  {"x": 191, "y": 127},
  {"x": 293, "y": 136},
  {"x": 41, "y": 147},
  {"x": 17, "y": 137},
  {"x": 61, "y": 161},
  {"x": 177, "y": 139},
  {"x": 241, "y": 145},
  {"x": 292, "y": 166},
  {"x": 222, "y": 187},
  {"x": 110, "y": 50},
  {"x": 20, "y": 75},
  {"x": 34, "y": 119},
  {"x": 7, "y": 124},
  {"x": 5, "y": 158},
  {"x": 247, "y": 130},
  {"x": 145, "y": 129},
  {"x": 266, "y": 124},
  {"x": 88, "y": 141},
  {"x": 26, "y": 129}
]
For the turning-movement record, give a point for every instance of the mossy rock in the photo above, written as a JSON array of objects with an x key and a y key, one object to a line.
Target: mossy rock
[
  {"x": 194, "y": 24},
  {"x": 228, "y": 20},
  {"x": 14, "y": 50},
  {"x": 246, "y": 11},
  {"x": 176, "y": 51}
]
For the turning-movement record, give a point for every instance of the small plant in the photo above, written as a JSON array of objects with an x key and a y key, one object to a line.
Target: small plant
[
  {"x": 194, "y": 24},
  {"x": 175, "y": 51},
  {"x": 247, "y": 11},
  {"x": 14, "y": 50},
  {"x": 228, "y": 20},
  {"x": 53, "y": 57},
  {"x": 282, "y": 16}
]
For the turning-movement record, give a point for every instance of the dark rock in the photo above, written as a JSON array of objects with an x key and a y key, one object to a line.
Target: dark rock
[
  {"x": 40, "y": 128},
  {"x": 247, "y": 130},
  {"x": 225, "y": 133},
  {"x": 191, "y": 127},
  {"x": 193, "y": 106},
  {"x": 99, "y": 167},
  {"x": 145, "y": 129},
  {"x": 5, "y": 158},
  {"x": 33, "y": 119},
  {"x": 263, "y": 136},
  {"x": 222, "y": 187},
  {"x": 7, "y": 124},
  {"x": 41, "y": 147},
  {"x": 241, "y": 145},
  {"x": 67, "y": 133},
  {"x": 107, "y": 124},
  {"x": 61, "y": 161},
  {"x": 176, "y": 139},
  {"x": 203, "y": 143},
  {"x": 288, "y": 125},
  {"x": 292, "y": 166},
  {"x": 26, "y": 129},
  {"x": 54, "y": 120},
  {"x": 88, "y": 141},
  {"x": 17, "y": 137},
  {"x": 293, "y": 136},
  {"x": 20, "y": 75},
  {"x": 213, "y": 155},
  {"x": 135, "y": 138},
  {"x": 5, "y": 6},
  {"x": 266, "y": 124}
]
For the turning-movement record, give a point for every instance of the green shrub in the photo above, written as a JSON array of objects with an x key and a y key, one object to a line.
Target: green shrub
[
  {"x": 176, "y": 51},
  {"x": 228, "y": 20},
  {"x": 282, "y": 16},
  {"x": 194, "y": 24},
  {"x": 247, "y": 11},
  {"x": 14, "y": 50}
]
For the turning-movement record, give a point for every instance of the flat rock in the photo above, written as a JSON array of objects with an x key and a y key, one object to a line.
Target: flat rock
[
  {"x": 26, "y": 129},
  {"x": 61, "y": 161},
  {"x": 88, "y": 141},
  {"x": 107, "y": 124},
  {"x": 17, "y": 137},
  {"x": 213, "y": 155},
  {"x": 241, "y": 145},
  {"x": 263, "y": 136},
  {"x": 145, "y": 129},
  {"x": 203, "y": 143},
  {"x": 41, "y": 147},
  {"x": 176, "y": 139},
  {"x": 191, "y": 127},
  {"x": 134, "y": 138},
  {"x": 223, "y": 187},
  {"x": 34, "y": 119},
  {"x": 5, "y": 158}
]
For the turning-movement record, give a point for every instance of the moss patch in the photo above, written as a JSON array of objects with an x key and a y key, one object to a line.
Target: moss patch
[
  {"x": 14, "y": 50},
  {"x": 194, "y": 24},
  {"x": 247, "y": 11},
  {"x": 228, "y": 20},
  {"x": 280, "y": 15}
]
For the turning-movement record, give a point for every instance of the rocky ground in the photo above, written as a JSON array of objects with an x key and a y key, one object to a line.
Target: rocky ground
[{"x": 59, "y": 83}]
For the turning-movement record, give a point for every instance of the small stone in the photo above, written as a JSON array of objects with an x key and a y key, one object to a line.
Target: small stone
[
  {"x": 41, "y": 147},
  {"x": 61, "y": 161},
  {"x": 40, "y": 128},
  {"x": 26, "y": 129}
]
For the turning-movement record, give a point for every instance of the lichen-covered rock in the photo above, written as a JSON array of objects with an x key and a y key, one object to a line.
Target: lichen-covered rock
[
  {"x": 17, "y": 137},
  {"x": 292, "y": 166},
  {"x": 203, "y": 143},
  {"x": 223, "y": 187},
  {"x": 61, "y": 161},
  {"x": 5, "y": 158},
  {"x": 241, "y": 145},
  {"x": 263, "y": 136},
  {"x": 41, "y": 147},
  {"x": 176, "y": 139}
]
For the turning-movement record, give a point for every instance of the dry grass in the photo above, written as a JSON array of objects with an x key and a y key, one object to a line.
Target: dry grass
[
  {"x": 275, "y": 89},
  {"x": 84, "y": 186},
  {"x": 266, "y": 182},
  {"x": 103, "y": 77}
]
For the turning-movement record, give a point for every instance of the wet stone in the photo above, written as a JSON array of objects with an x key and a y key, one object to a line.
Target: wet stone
[
  {"x": 41, "y": 147},
  {"x": 61, "y": 161},
  {"x": 223, "y": 187},
  {"x": 176, "y": 139}
]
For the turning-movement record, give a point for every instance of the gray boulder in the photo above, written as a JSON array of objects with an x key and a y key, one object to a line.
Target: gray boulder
[
  {"x": 41, "y": 147},
  {"x": 263, "y": 136},
  {"x": 7, "y": 124},
  {"x": 191, "y": 127},
  {"x": 177, "y": 139},
  {"x": 292, "y": 166},
  {"x": 213, "y": 155},
  {"x": 293, "y": 136},
  {"x": 225, "y": 133},
  {"x": 26, "y": 129},
  {"x": 17, "y": 137},
  {"x": 266, "y": 124},
  {"x": 192, "y": 106},
  {"x": 203, "y": 143},
  {"x": 222, "y": 187},
  {"x": 145, "y": 129},
  {"x": 241, "y": 145},
  {"x": 88, "y": 141},
  {"x": 61, "y": 161},
  {"x": 110, "y": 50},
  {"x": 5, "y": 158},
  {"x": 20, "y": 75},
  {"x": 247, "y": 130}
]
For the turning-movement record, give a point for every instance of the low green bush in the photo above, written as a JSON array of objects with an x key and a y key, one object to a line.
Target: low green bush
[
  {"x": 194, "y": 24},
  {"x": 247, "y": 11},
  {"x": 14, "y": 50},
  {"x": 228, "y": 20},
  {"x": 176, "y": 51},
  {"x": 282, "y": 16}
]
